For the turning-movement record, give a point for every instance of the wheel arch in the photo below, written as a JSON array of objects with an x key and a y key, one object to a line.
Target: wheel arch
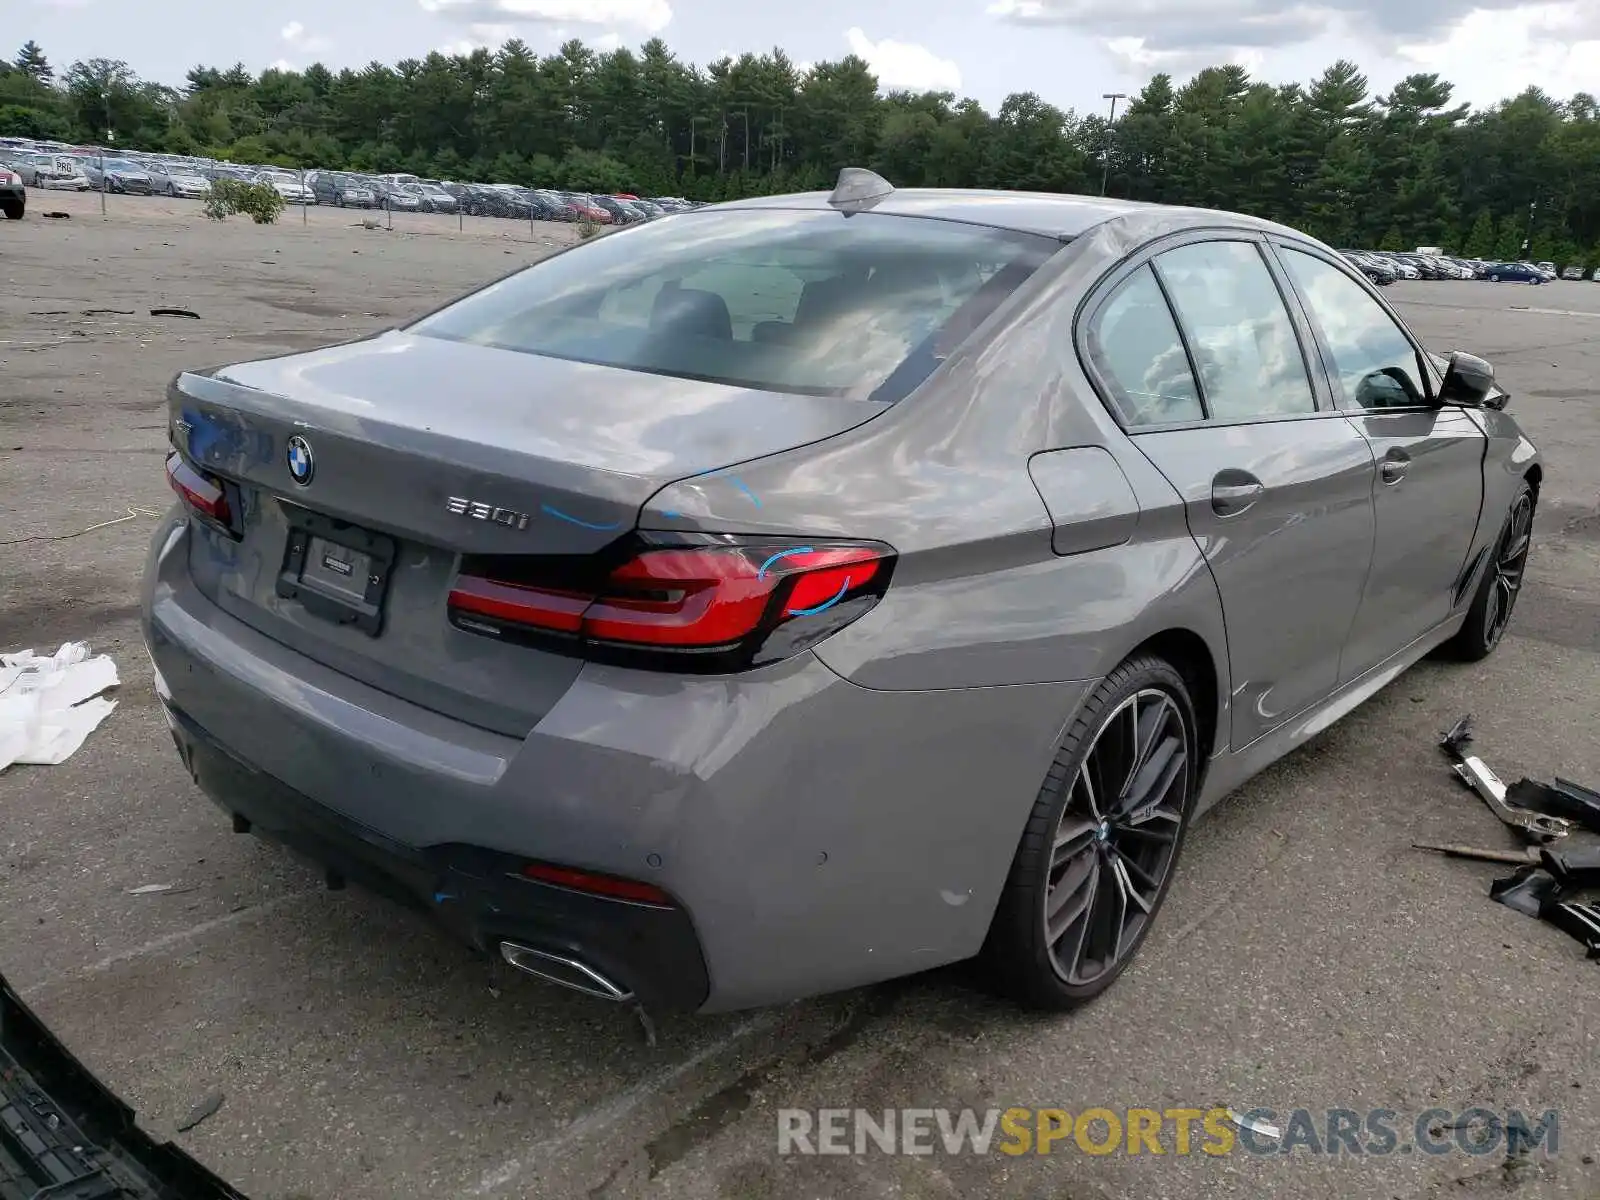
[{"x": 1193, "y": 658}]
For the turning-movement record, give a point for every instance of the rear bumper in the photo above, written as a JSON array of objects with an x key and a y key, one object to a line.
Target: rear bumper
[
  {"x": 475, "y": 892},
  {"x": 815, "y": 834}
]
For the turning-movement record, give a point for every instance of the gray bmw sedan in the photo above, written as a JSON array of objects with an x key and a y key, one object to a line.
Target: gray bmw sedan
[{"x": 809, "y": 590}]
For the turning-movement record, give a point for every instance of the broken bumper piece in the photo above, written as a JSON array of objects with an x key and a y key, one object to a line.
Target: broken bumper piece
[{"x": 63, "y": 1133}]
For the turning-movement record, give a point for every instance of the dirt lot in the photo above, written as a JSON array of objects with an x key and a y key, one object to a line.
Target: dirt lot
[{"x": 1308, "y": 957}]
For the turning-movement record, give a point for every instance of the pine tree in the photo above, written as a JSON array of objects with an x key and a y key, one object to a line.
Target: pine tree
[
  {"x": 1392, "y": 240},
  {"x": 1480, "y": 242},
  {"x": 31, "y": 61}
]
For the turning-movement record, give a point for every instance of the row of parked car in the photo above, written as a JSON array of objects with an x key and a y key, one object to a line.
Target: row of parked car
[
  {"x": 53, "y": 166},
  {"x": 1389, "y": 266}
]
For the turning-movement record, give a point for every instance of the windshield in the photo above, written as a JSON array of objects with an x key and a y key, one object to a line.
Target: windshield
[
  {"x": 121, "y": 164},
  {"x": 778, "y": 299}
]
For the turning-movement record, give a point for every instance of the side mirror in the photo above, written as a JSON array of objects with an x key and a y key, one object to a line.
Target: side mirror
[{"x": 1468, "y": 381}]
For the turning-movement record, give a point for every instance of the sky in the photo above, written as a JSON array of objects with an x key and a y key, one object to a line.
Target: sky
[{"x": 1071, "y": 52}]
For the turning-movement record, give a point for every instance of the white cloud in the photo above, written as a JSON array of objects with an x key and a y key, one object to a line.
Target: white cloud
[
  {"x": 1490, "y": 56},
  {"x": 648, "y": 16},
  {"x": 606, "y": 43},
  {"x": 294, "y": 33},
  {"x": 282, "y": 64},
  {"x": 905, "y": 64}
]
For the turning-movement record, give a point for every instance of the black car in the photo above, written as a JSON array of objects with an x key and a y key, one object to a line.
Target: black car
[
  {"x": 1375, "y": 269},
  {"x": 63, "y": 1133},
  {"x": 1514, "y": 273},
  {"x": 13, "y": 196}
]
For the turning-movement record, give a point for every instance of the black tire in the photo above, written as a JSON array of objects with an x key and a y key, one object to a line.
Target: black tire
[
  {"x": 1018, "y": 956},
  {"x": 14, "y": 211},
  {"x": 1494, "y": 603},
  {"x": 1494, "y": 278}
]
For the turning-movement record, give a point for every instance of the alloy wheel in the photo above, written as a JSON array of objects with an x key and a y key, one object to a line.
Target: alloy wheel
[
  {"x": 1511, "y": 561},
  {"x": 1117, "y": 838}
]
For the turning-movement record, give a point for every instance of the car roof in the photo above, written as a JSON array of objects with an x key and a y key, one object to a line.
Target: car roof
[{"x": 1049, "y": 213}]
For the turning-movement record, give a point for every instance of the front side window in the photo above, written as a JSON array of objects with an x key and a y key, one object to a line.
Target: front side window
[
  {"x": 1375, "y": 363},
  {"x": 1243, "y": 341},
  {"x": 1135, "y": 343},
  {"x": 815, "y": 303}
]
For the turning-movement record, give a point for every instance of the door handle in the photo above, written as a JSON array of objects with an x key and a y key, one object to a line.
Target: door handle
[
  {"x": 1393, "y": 467},
  {"x": 1233, "y": 492}
]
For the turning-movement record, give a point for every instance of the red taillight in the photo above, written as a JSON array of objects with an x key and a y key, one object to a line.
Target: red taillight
[
  {"x": 703, "y": 598},
  {"x": 599, "y": 885},
  {"x": 201, "y": 492}
]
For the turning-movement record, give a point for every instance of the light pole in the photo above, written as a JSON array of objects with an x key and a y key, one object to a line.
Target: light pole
[{"x": 1105, "y": 172}]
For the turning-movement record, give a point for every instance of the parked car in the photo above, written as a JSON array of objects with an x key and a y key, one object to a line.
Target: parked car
[
  {"x": 1596, "y": 275},
  {"x": 620, "y": 211},
  {"x": 288, "y": 185},
  {"x": 1375, "y": 269},
  {"x": 222, "y": 172},
  {"x": 13, "y": 195},
  {"x": 178, "y": 179},
  {"x": 1549, "y": 269},
  {"x": 394, "y": 196},
  {"x": 1575, "y": 271},
  {"x": 1515, "y": 273},
  {"x": 584, "y": 205},
  {"x": 433, "y": 197},
  {"x": 631, "y": 694},
  {"x": 340, "y": 189},
  {"x": 117, "y": 175},
  {"x": 52, "y": 173}
]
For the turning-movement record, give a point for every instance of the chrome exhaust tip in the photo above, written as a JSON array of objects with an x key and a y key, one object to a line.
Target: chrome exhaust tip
[{"x": 565, "y": 972}]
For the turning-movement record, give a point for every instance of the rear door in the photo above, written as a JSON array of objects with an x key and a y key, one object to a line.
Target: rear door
[
  {"x": 1429, "y": 485},
  {"x": 1277, "y": 485}
]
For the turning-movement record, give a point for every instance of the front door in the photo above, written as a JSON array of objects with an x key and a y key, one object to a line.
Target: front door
[
  {"x": 1429, "y": 483},
  {"x": 1277, "y": 488}
]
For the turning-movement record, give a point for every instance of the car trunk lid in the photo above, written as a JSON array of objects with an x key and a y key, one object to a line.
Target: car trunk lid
[{"x": 416, "y": 450}]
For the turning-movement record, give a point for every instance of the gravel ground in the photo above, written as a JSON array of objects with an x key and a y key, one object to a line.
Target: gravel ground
[{"x": 1307, "y": 958}]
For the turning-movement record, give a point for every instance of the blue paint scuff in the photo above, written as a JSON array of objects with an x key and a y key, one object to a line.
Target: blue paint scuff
[
  {"x": 552, "y": 511},
  {"x": 762, "y": 573},
  {"x": 825, "y": 605},
  {"x": 745, "y": 488}
]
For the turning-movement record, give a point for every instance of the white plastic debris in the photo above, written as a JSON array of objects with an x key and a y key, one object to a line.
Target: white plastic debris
[{"x": 50, "y": 704}]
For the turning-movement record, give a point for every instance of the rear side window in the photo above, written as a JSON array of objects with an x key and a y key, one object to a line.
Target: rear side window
[
  {"x": 1243, "y": 341},
  {"x": 1376, "y": 364},
  {"x": 1136, "y": 346},
  {"x": 778, "y": 299}
]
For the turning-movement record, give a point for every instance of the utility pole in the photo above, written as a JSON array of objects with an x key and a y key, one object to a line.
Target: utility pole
[
  {"x": 745, "y": 114},
  {"x": 693, "y": 122},
  {"x": 1528, "y": 241},
  {"x": 1105, "y": 172}
]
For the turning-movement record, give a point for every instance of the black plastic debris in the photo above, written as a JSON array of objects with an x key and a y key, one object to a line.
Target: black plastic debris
[
  {"x": 1575, "y": 868},
  {"x": 174, "y": 312},
  {"x": 1528, "y": 889},
  {"x": 1582, "y": 921}
]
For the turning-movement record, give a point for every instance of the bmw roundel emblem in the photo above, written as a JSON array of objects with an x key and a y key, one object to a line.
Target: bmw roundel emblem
[{"x": 301, "y": 464}]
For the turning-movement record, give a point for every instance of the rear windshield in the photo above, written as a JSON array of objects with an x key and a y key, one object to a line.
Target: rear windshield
[{"x": 778, "y": 299}]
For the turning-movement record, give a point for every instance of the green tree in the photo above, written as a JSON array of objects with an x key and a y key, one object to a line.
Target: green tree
[
  {"x": 1480, "y": 242},
  {"x": 1405, "y": 168},
  {"x": 31, "y": 62}
]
